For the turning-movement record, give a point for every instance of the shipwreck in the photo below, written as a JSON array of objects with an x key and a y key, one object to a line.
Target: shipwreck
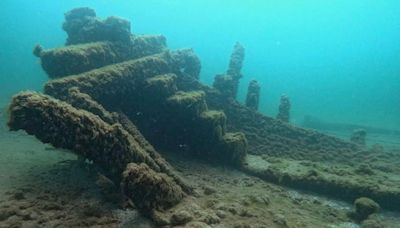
[{"x": 119, "y": 99}]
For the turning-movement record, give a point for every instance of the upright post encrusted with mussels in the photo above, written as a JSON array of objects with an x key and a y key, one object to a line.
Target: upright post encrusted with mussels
[
  {"x": 284, "y": 109},
  {"x": 253, "y": 95},
  {"x": 228, "y": 83}
]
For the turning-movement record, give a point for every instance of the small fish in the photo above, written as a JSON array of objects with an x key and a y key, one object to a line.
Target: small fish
[
  {"x": 182, "y": 145},
  {"x": 189, "y": 105}
]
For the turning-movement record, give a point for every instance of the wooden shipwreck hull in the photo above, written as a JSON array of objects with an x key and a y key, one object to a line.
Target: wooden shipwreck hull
[{"x": 117, "y": 100}]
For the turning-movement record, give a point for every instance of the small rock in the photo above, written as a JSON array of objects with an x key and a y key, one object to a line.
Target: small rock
[
  {"x": 211, "y": 203},
  {"x": 211, "y": 219},
  {"x": 91, "y": 221},
  {"x": 232, "y": 210},
  {"x": 265, "y": 199},
  {"x": 280, "y": 220},
  {"x": 246, "y": 201},
  {"x": 221, "y": 214},
  {"x": 253, "y": 198},
  {"x": 19, "y": 196},
  {"x": 316, "y": 201},
  {"x": 209, "y": 190},
  {"x": 242, "y": 225},
  {"x": 25, "y": 205},
  {"x": 221, "y": 206},
  {"x": 181, "y": 218},
  {"x": 93, "y": 210},
  {"x": 51, "y": 206},
  {"x": 43, "y": 220},
  {"x": 25, "y": 214},
  {"x": 245, "y": 213},
  {"x": 312, "y": 173},
  {"x": 364, "y": 207},
  {"x": 60, "y": 216},
  {"x": 33, "y": 215},
  {"x": 196, "y": 193},
  {"x": 6, "y": 213},
  {"x": 297, "y": 201},
  {"x": 160, "y": 219}
]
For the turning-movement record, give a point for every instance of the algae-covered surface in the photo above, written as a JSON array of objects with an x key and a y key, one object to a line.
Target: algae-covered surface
[{"x": 339, "y": 180}]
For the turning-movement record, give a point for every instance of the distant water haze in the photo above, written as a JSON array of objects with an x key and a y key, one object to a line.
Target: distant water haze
[{"x": 336, "y": 60}]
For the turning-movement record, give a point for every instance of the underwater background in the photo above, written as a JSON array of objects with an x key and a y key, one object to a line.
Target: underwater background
[{"x": 337, "y": 60}]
